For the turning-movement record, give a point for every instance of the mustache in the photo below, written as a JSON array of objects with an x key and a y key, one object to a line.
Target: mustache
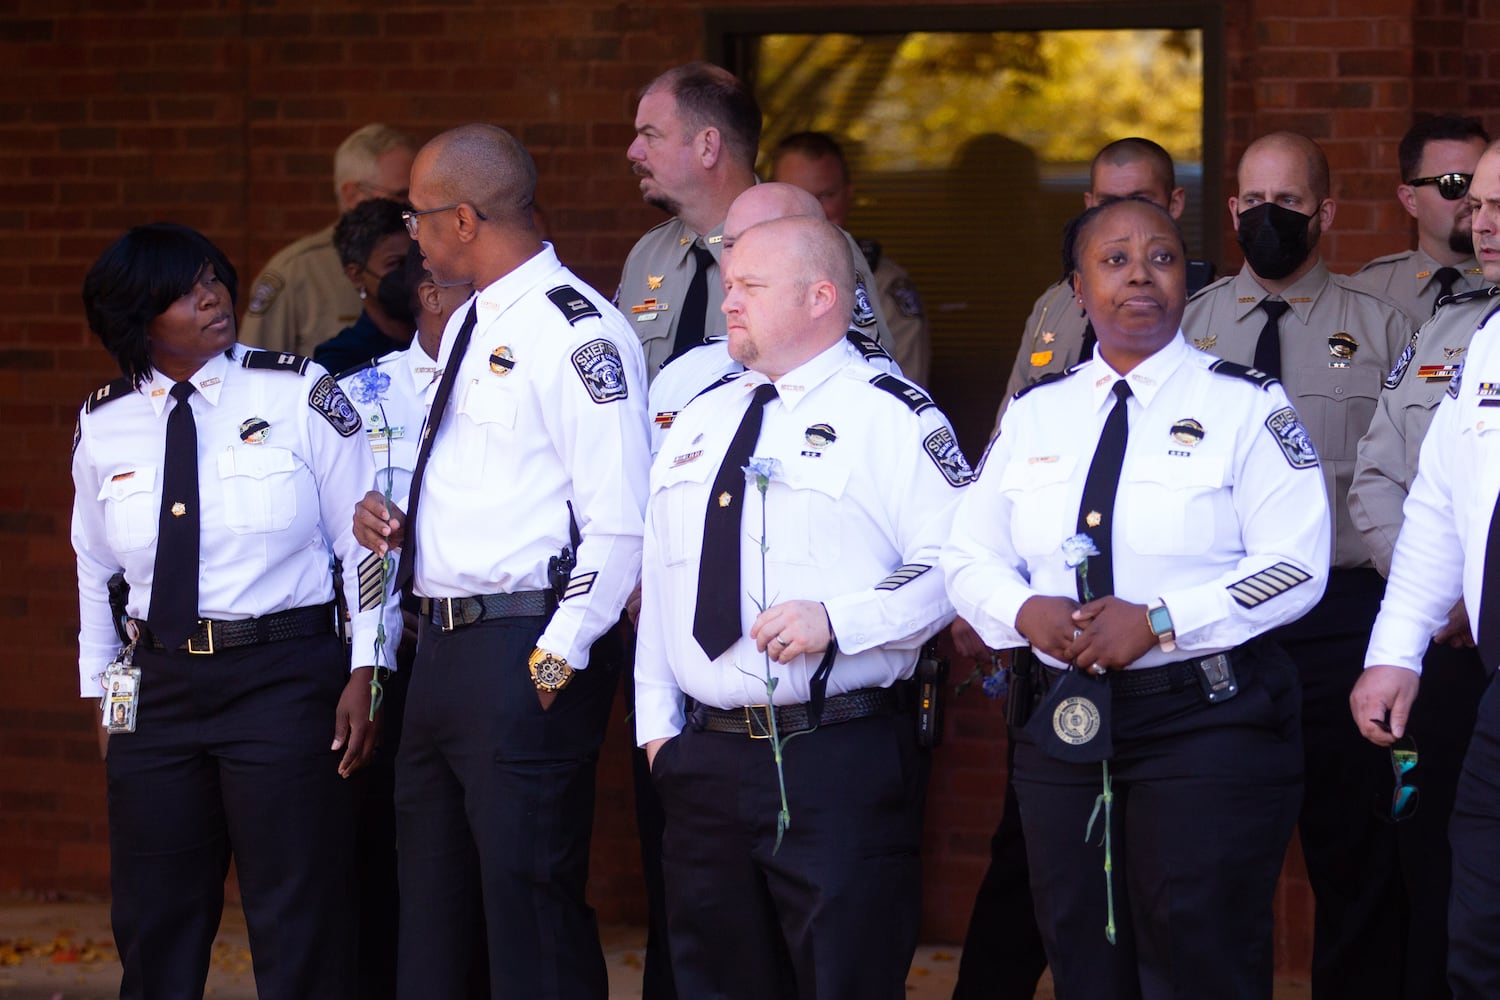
[{"x": 640, "y": 170}]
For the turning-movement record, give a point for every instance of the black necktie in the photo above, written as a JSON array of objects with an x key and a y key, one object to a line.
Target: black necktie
[
  {"x": 1489, "y": 597},
  {"x": 174, "y": 581},
  {"x": 716, "y": 618},
  {"x": 694, "y": 319},
  {"x": 1096, "y": 511},
  {"x": 1447, "y": 277},
  {"x": 1268, "y": 347},
  {"x": 408, "y": 563}
]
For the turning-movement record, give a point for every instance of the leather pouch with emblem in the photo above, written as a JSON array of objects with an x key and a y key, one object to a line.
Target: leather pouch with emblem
[{"x": 1072, "y": 722}]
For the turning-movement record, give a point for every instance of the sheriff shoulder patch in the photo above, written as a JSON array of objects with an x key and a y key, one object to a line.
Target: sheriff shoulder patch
[
  {"x": 1398, "y": 370},
  {"x": 266, "y": 290},
  {"x": 864, "y": 313},
  {"x": 906, "y": 297},
  {"x": 329, "y": 400},
  {"x": 1293, "y": 438},
  {"x": 599, "y": 365},
  {"x": 1453, "y": 385},
  {"x": 943, "y": 449}
]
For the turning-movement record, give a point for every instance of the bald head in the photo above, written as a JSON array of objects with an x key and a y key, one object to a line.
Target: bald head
[
  {"x": 484, "y": 166},
  {"x": 787, "y": 289},
  {"x": 765, "y": 202},
  {"x": 1289, "y": 144}
]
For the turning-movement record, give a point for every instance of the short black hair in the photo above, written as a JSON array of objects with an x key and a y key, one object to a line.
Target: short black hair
[
  {"x": 364, "y": 225},
  {"x": 138, "y": 278},
  {"x": 1433, "y": 129},
  {"x": 1078, "y": 227},
  {"x": 813, "y": 146},
  {"x": 709, "y": 95},
  {"x": 1136, "y": 149}
]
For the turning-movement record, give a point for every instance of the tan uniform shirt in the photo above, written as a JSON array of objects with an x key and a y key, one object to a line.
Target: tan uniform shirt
[
  {"x": 1409, "y": 280},
  {"x": 1334, "y": 384},
  {"x": 911, "y": 336},
  {"x": 1386, "y": 462},
  {"x": 655, "y": 282},
  {"x": 1050, "y": 343},
  {"x": 302, "y": 298}
]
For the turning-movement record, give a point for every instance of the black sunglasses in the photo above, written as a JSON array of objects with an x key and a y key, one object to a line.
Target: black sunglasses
[
  {"x": 1403, "y": 760},
  {"x": 1451, "y": 186}
]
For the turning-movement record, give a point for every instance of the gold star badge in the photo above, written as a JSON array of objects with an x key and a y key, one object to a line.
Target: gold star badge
[
  {"x": 179, "y": 508},
  {"x": 725, "y": 499},
  {"x": 653, "y": 281},
  {"x": 1094, "y": 519}
]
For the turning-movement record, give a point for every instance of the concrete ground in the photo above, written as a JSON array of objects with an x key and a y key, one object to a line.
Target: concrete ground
[{"x": 64, "y": 951}]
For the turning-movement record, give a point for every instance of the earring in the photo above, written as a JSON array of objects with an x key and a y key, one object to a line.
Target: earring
[{"x": 363, "y": 294}]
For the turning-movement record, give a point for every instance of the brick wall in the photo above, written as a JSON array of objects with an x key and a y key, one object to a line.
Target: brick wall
[{"x": 225, "y": 115}]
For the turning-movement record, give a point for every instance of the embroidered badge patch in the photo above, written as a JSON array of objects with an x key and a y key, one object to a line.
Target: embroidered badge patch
[
  {"x": 329, "y": 400},
  {"x": 864, "y": 313},
  {"x": 265, "y": 293},
  {"x": 1293, "y": 438},
  {"x": 942, "y": 448},
  {"x": 1398, "y": 370},
  {"x": 1453, "y": 385},
  {"x": 603, "y": 372},
  {"x": 907, "y": 299}
]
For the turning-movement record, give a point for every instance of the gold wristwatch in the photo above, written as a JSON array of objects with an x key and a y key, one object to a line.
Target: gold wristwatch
[{"x": 549, "y": 672}]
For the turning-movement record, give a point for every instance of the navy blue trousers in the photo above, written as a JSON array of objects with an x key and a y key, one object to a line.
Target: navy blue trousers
[
  {"x": 231, "y": 757},
  {"x": 1205, "y": 797},
  {"x": 494, "y": 814}
]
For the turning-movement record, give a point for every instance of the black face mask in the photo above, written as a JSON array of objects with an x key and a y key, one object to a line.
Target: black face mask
[
  {"x": 1274, "y": 240},
  {"x": 394, "y": 297}
]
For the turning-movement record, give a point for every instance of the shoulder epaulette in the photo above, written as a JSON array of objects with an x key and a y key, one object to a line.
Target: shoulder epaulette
[
  {"x": 1454, "y": 298},
  {"x": 1047, "y": 379},
  {"x": 107, "y": 393},
  {"x": 1245, "y": 372},
  {"x": 867, "y": 346},
  {"x": 1210, "y": 288},
  {"x": 1390, "y": 258},
  {"x": 276, "y": 361},
  {"x": 904, "y": 391},
  {"x": 871, "y": 250},
  {"x": 369, "y": 363},
  {"x": 573, "y": 305},
  {"x": 722, "y": 380}
]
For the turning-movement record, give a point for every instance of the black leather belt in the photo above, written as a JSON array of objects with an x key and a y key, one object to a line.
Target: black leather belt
[
  {"x": 449, "y": 613},
  {"x": 217, "y": 636},
  {"x": 752, "y": 721},
  {"x": 1179, "y": 676}
]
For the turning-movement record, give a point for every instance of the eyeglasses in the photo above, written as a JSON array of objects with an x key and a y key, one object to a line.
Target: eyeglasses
[
  {"x": 1451, "y": 186},
  {"x": 413, "y": 217}
]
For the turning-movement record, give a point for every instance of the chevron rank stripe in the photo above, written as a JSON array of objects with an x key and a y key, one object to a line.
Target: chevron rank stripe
[
  {"x": 1266, "y": 584},
  {"x": 371, "y": 593},
  {"x": 902, "y": 576},
  {"x": 579, "y": 585}
]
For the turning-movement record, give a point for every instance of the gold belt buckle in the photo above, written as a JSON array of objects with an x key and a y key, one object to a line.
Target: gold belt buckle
[
  {"x": 751, "y": 721},
  {"x": 208, "y": 628}
]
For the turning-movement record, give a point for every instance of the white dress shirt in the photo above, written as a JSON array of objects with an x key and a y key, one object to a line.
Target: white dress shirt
[
  {"x": 1227, "y": 523},
  {"x": 392, "y": 410},
  {"x": 865, "y": 488},
  {"x": 544, "y": 411},
  {"x": 1440, "y": 551},
  {"x": 275, "y": 501}
]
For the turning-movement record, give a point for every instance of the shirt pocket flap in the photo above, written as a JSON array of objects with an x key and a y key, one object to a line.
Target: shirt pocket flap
[
  {"x": 1030, "y": 474},
  {"x": 1196, "y": 473},
  {"x": 488, "y": 402},
  {"x": 125, "y": 484},
  {"x": 255, "y": 462},
  {"x": 817, "y": 476}
]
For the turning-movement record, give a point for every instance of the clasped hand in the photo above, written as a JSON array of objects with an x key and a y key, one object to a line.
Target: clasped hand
[{"x": 1108, "y": 633}]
